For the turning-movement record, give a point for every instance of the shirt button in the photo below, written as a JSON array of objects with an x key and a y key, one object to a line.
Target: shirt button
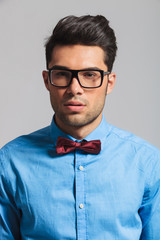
[
  {"x": 81, "y": 206},
  {"x": 81, "y": 168}
]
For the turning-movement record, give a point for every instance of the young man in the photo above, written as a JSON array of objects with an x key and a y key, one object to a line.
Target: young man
[{"x": 80, "y": 178}]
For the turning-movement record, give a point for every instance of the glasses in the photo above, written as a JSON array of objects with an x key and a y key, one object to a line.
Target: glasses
[{"x": 88, "y": 78}]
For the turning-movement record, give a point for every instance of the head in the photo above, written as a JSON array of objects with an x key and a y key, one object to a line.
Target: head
[
  {"x": 85, "y": 30},
  {"x": 80, "y": 43}
]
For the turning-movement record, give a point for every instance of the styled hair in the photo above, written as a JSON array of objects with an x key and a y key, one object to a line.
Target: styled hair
[{"x": 85, "y": 30}]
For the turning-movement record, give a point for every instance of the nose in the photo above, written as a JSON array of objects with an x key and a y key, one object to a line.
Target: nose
[{"x": 75, "y": 87}]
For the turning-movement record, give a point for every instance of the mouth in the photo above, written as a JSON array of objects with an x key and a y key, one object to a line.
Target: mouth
[{"x": 75, "y": 106}]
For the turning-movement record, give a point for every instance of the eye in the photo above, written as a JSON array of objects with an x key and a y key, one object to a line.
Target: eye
[
  {"x": 89, "y": 74},
  {"x": 60, "y": 74}
]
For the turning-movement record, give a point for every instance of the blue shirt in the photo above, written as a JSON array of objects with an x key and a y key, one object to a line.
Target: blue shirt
[{"x": 114, "y": 195}]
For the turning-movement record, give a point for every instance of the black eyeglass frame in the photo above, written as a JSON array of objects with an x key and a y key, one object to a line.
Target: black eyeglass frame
[{"x": 75, "y": 74}]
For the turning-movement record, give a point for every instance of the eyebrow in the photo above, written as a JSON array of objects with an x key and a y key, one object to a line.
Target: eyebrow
[{"x": 66, "y": 68}]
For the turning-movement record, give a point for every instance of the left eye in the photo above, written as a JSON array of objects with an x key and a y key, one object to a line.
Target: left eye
[{"x": 89, "y": 74}]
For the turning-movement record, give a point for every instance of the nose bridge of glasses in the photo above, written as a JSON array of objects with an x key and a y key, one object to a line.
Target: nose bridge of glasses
[{"x": 74, "y": 75}]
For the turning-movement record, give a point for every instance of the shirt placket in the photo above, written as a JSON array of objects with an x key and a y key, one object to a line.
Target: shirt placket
[{"x": 80, "y": 196}]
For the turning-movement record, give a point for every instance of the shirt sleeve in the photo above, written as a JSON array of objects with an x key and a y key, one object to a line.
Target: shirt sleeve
[
  {"x": 150, "y": 208},
  {"x": 9, "y": 215}
]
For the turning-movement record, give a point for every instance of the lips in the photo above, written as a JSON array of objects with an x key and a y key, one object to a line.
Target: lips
[
  {"x": 74, "y": 106},
  {"x": 73, "y": 103}
]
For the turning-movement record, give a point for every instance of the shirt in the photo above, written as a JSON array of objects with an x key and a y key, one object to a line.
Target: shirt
[{"x": 109, "y": 196}]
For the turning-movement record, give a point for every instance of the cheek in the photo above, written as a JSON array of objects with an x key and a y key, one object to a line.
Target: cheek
[
  {"x": 56, "y": 98},
  {"x": 97, "y": 100},
  {"x": 100, "y": 95},
  {"x": 56, "y": 95}
]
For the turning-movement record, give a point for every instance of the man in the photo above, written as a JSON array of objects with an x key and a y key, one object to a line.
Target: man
[{"x": 80, "y": 178}]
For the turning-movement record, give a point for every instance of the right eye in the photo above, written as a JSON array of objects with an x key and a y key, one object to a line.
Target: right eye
[{"x": 60, "y": 74}]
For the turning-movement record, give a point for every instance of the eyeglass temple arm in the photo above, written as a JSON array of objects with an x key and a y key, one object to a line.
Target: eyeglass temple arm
[{"x": 106, "y": 73}]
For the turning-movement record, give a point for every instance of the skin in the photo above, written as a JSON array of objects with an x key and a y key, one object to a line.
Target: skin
[{"x": 78, "y": 111}]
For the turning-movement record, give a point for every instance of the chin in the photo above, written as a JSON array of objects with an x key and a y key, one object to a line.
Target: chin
[{"x": 75, "y": 120}]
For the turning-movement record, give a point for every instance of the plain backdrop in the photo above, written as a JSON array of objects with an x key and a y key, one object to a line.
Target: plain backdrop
[{"x": 24, "y": 26}]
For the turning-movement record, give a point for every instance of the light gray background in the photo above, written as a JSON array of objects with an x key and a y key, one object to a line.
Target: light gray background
[{"x": 24, "y": 25}]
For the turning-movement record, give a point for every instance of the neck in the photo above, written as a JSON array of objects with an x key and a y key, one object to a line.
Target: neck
[{"x": 78, "y": 132}]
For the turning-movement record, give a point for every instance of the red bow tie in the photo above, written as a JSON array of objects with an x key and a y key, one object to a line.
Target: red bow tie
[{"x": 65, "y": 145}]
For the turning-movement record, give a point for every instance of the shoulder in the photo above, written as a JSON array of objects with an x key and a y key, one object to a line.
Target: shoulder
[
  {"x": 19, "y": 156},
  {"x": 135, "y": 151},
  {"x": 25, "y": 143},
  {"x": 41, "y": 134},
  {"x": 129, "y": 138},
  {"x": 132, "y": 147}
]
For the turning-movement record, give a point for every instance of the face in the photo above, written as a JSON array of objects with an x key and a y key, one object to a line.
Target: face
[{"x": 75, "y": 106}]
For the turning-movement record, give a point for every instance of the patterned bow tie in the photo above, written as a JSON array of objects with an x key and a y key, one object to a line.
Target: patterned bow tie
[{"x": 65, "y": 145}]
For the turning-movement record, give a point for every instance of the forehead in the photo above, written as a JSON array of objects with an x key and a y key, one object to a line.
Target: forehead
[{"x": 78, "y": 56}]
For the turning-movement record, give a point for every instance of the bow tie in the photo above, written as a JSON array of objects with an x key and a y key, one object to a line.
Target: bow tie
[{"x": 65, "y": 145}]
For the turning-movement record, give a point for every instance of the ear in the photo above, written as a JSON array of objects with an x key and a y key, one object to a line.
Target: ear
[
  {"x": 111, "y": 83},
  {"x": 46, "y": 79}
]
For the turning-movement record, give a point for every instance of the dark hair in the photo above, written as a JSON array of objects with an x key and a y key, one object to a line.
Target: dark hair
[{"x": 85, "y": 30}]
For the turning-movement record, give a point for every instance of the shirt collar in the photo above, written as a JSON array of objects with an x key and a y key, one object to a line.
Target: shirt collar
[{"x": 101, "y": 132}]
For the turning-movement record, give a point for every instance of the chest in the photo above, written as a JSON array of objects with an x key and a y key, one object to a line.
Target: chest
[{"x": 90, "y": 193}]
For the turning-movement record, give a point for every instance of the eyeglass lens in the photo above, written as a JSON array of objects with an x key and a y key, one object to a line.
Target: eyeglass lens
[{"x": 87, "y": 78}]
